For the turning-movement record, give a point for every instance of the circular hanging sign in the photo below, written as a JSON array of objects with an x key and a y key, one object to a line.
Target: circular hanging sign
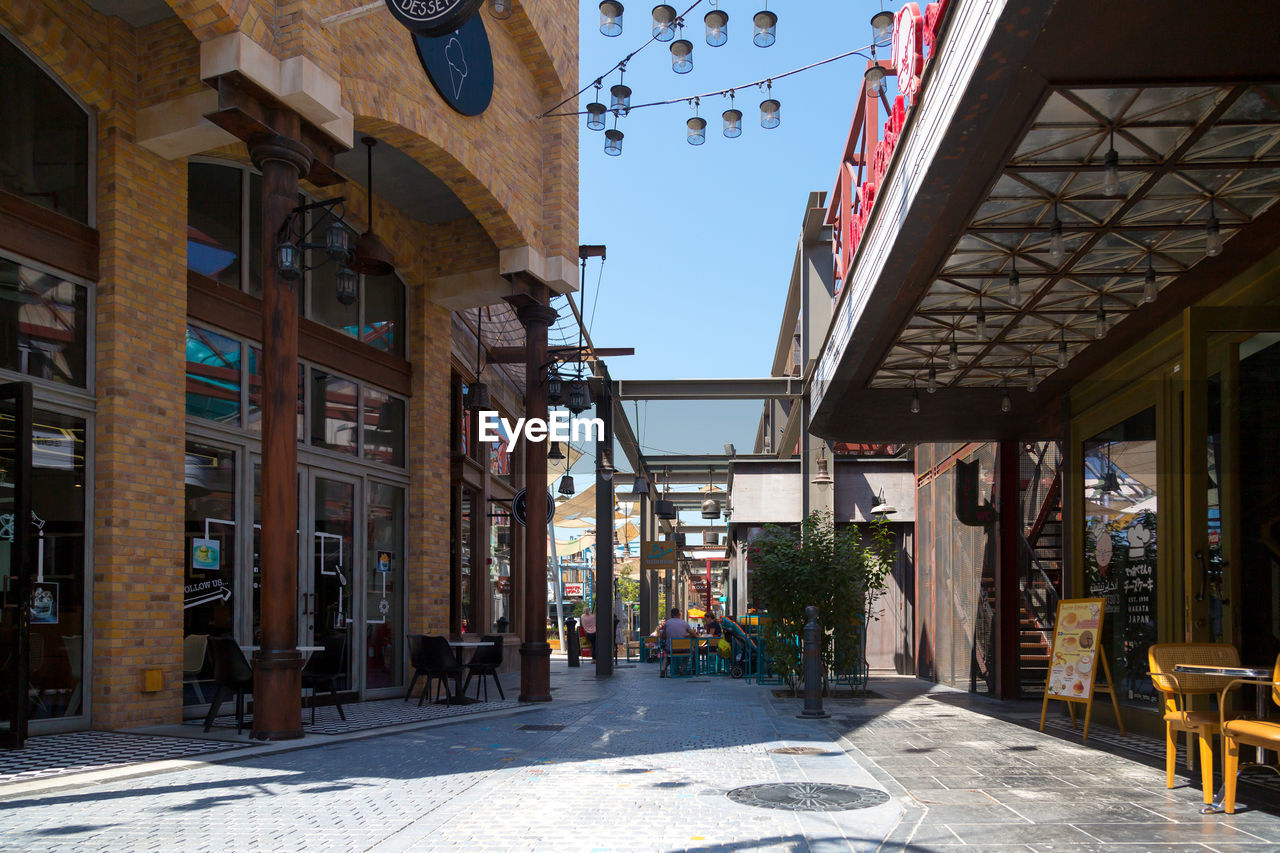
[
  {"x": 460, "y": 66},
  {"x": 520, "y": 507},
  {"x": 433, "y": 17}
]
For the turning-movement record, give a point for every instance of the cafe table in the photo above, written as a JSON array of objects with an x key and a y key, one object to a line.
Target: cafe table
[
  {"x": 458, "y": 698},
  {"x": 1227, "y": 673}
]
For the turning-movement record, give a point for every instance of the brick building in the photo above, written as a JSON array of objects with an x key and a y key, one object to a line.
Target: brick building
[{"x": 132, "y": 240}]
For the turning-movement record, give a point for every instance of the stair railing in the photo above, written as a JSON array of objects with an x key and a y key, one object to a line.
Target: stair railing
[{"x": 1038, "y": 592}]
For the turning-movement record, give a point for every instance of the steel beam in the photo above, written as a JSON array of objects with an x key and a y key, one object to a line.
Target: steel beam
[{"x": 765, "y": 388}]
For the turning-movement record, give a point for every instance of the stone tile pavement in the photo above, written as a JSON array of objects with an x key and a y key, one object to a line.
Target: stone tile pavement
[{"x": 641, "y": 763}]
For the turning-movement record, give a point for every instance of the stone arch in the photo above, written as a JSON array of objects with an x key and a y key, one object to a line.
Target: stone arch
[
  {"x": 209, "y": 19},
  {"x": 61, "y": 50}
]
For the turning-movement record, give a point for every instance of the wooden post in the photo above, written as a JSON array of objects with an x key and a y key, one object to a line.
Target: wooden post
[
  {"x": 277, "y": 669},
  {"x": 535, "y": 652},
  {"x": 602, "y": 651}
]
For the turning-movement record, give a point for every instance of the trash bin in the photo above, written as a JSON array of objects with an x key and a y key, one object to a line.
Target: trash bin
[{"x": 571, "y": 640}]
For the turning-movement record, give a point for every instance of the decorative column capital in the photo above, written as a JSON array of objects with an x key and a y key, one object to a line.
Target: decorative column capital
[
  {"x": 282, "y": 149},
  {"x": 536, "y": 312}
]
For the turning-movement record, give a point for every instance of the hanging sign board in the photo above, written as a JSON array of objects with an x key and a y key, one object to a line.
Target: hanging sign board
[
  {"x": 460, "y": 65},
  {"x": 520, "y": 507},
  {"x": 658, "y": 555},
  {"x": 433, "y": 17},
  {"x": 1075, "y": 657}
]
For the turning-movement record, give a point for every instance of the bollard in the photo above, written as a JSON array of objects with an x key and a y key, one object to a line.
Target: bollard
[
  {"x": 812, "y": 669},
  {"x": 571, "y": 640}
]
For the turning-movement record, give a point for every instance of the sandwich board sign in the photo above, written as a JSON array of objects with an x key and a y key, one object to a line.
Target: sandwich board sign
[{"x": 1074, "y": 659}]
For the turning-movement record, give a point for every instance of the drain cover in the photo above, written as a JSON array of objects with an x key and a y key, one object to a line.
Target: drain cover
[
  {"x": 808, "y": 796},
  {"x": 540, "y": 728},
  {"x": 798, "y": 750}
]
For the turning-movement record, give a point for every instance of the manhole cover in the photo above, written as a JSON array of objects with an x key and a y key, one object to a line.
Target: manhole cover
[
  {"x": 798, "y": 750},
  {"x": 540, "y": 728},
  {"x": 808, "y": 796}
]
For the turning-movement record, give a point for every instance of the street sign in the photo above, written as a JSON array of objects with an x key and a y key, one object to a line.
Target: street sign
[{"x": 520, "y": 507}]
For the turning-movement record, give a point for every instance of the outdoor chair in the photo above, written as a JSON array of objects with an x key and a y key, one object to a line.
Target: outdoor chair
[
  {"x": 681, "y": 660},
  {"x": 419, "y": 661},
  {"x": 484, "y": 663},
  {"x": 442, "y": 665},
  {"x": 194, "y": 647},
  {"x": 327, "y": 668},
  {"x": 1176, "y": 688},
  {"x": 1241, "y": 732},
  {"x": 233, "y": 675}
]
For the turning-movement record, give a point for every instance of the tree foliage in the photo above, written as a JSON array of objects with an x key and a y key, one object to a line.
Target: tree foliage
[{"x": 839, "y": 570}]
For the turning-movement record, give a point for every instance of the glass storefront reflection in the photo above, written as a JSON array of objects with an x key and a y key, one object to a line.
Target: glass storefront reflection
[
  {"x": 500, "y": 533},
  {"x": 384, "y": 579},
  {"x": 43, "y": 324},
  {"x": 210, "y": 556},
  {"x": 1120, "y": 546}
]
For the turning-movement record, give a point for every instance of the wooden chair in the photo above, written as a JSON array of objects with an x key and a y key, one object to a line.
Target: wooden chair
[
  {"x": 1175, "y": 690},
  {"x": 680, "y": 659},
  {"x": 1241, "y": 732}
]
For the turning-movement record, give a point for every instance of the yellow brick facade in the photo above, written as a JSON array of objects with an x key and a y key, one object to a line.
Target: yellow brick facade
[{"x": 516, "y": 175}]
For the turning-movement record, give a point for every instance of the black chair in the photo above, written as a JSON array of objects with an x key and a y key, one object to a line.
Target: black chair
[
  {"x": 485, "y": 663},
  {"x": 232, "y": 673},
  {"x": 327, "y": 668},
  {"x": 442, "y": 665},
  {"x": 420, "y": 662}
]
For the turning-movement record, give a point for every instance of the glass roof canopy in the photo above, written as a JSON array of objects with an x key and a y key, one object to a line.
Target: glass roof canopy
[{"x": 1184, "y": 152}]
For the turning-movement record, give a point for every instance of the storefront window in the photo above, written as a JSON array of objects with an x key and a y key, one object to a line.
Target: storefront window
[
  {"x": 253, "y": 418},
  {"x": 333, "y": 412},
  {"x": 57, "y": 618},
  {"x": 44, "y": 138},
  {"x": 210, "y": 555},
  {"x": 43, "y": 324},
  {"x": 384, "y": 313},
  {"x": 325, "y": 307},
  {"x": 465, "y": 547},
  {"x": 384, "y": 427},
  {"x": 500, "y": 532},
  {"x": 213, "y": 376},
  {"x": 1120, "y": 546},
  {"x": 384, "y": 620},
  {"x": 213, "y": 221},
  {"x": 501, "y": 458}
]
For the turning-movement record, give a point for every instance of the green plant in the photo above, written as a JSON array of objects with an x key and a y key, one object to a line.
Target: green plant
[{"x": 839, "y": 570}]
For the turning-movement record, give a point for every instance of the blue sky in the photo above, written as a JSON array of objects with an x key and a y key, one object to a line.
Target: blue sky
[{"x": 701, "y": 239}]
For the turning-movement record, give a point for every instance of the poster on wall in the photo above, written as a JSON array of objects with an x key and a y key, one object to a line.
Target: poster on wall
[
  {"x": 206, "y": 555},
  {"x": 44, "y": 603},
  {"x": 1120, "y": 559}
]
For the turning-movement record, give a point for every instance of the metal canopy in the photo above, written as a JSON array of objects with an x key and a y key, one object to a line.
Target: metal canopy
[{"x": 765, "y": 388}]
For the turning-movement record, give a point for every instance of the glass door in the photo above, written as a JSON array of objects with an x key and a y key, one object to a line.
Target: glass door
[
  {"x": 17, "y": 605},
  {"x": 329, "y": 574}
]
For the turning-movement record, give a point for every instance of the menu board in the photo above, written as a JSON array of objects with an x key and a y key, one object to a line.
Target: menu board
[{"x": 1073, "y": 660}]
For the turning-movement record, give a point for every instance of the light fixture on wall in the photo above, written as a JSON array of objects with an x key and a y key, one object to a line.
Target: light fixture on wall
[
  {"x": 880, "y": 506},
  {"x": 555, "y": 388},
  {"x": 292, "y": 245}
]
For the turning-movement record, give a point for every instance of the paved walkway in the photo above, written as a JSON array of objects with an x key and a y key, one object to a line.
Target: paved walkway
[{"x": 641, "y": 763}]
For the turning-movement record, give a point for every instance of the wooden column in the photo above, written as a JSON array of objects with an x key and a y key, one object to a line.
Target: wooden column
[
  {"x": 1008, "y": 596},
  {"x": 277, "y": 665},
  {"x": 603, "y": 649},
  {"x": 535, "y": 652}
]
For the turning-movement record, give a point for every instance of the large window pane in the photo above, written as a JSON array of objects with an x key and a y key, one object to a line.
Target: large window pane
[
  {"x": 210, "y": 555},
  {"x": 1120, "y": 517},
  {"x": 57, "y": 620},
  {"x": 44, "y": 138},
  {"x": 43, "y": 324},
  {"x": 500, "y": 533},
  {"x": 384, "y": 616},
  {"x": 213, "y": 376},
  {"x": 325, "y": 307},
  {"x": 384, "y": 313},
  {"x": 333, "y": 412},
  {"x": 384, "y": 427},
  {"x": 213, "y": 221}
]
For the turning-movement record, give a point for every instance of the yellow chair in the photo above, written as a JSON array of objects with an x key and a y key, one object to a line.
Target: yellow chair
[
  {"x": 1176, "y": 688},
  {"x": 1241, "y": 732},
  {"x": 681, "y": 660}
]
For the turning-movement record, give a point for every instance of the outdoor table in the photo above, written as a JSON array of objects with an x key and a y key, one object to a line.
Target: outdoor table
[
  {"x": 458, "y": 698},
  {"x": 1227, "y": 673}
]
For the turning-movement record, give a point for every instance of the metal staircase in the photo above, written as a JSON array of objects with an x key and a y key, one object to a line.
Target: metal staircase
[{"x": 1040, "y": 581}]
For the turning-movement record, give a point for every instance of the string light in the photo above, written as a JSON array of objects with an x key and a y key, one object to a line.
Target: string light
[
  {"x": 766, "y": 27},
  {"x": 770, "y": 110}
]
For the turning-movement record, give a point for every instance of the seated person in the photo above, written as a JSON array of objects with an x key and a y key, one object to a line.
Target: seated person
[
  {"x": 676, "y": 629},
  {"x": 711, "y": 626}
]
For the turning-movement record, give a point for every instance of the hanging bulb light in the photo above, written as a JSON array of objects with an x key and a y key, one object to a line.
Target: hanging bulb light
[
  {"x": 1032, "y": 381},
  {"x": 682, "y": 56},
  {"x": 932, "y": 385},
  {"x": 596, "y": 112},
  {"x": 1015, "y": 282},
  {"x": 732, "y": 120},
  {"x": 1111, "y": 169},
  {"x": 915, "y": 399},
  {"x": 1063, "y": 356},
  {"x": 1149, "y": 287},
  {"x": 664, "y": 23},
  {"x": 566, "y": 486},
  {"x": 982, "y": 320},
  {"x": 610, "y": 18},
  {"x": 1005, "y": 403},
  {"x": 500, "y": 9},
  {"x": 717, "y": 23},
  {"x": 881, "y": 25},
  {"x": 1212, "y": 235},
  {"x": 620, "y": 99},
  {"x": 1100, "y": 322},
  {"x": 770, "y": 110},
  {"x": 953, "y": 354},
  {"x": 1057, "y": 245},
  {"x": 766, "y": 28},
  {"x": 874, "y": 77}
]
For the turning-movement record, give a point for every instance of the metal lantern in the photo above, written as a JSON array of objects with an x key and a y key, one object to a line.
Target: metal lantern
[
  {"x": 874, "y": 77},
  {"x": 640, "y": 487},
  {"x": 613, "y": 142},
  {"x": 337, "y": 241},
  {"x": 823, "y": 477},
  {"x": 717, "y": 27},
  {"x": 770, "y": 113},
  {"x": 711, "y": 508},
  {"x": 766, "y": 24},
  {"x": 620, "y": 99},
  {"x": 732, "y": 123},
  {"x": 348, "y": 286},
  {"x": 555, "y": 454},
  {"x": 664, "y": 23},
  {"x": 697, "y": 130},
  {"x": 664, "y": 509},
  {"x": 500, "y": 9},
  {"x": 566, "y": 486},
  {"x": 682, "y": 56},
  {"x": 610, "y": 18},
  {"x": 881, "y": 24},
  {"x": 478, "y": 396},
  {"x": 288, "y": 261},
  {"x": 595, "y": 115},
  {"x": 678, "y": 539},
  {"x": 555, "y": 388},
  {"x": 710, "y": 538}
]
